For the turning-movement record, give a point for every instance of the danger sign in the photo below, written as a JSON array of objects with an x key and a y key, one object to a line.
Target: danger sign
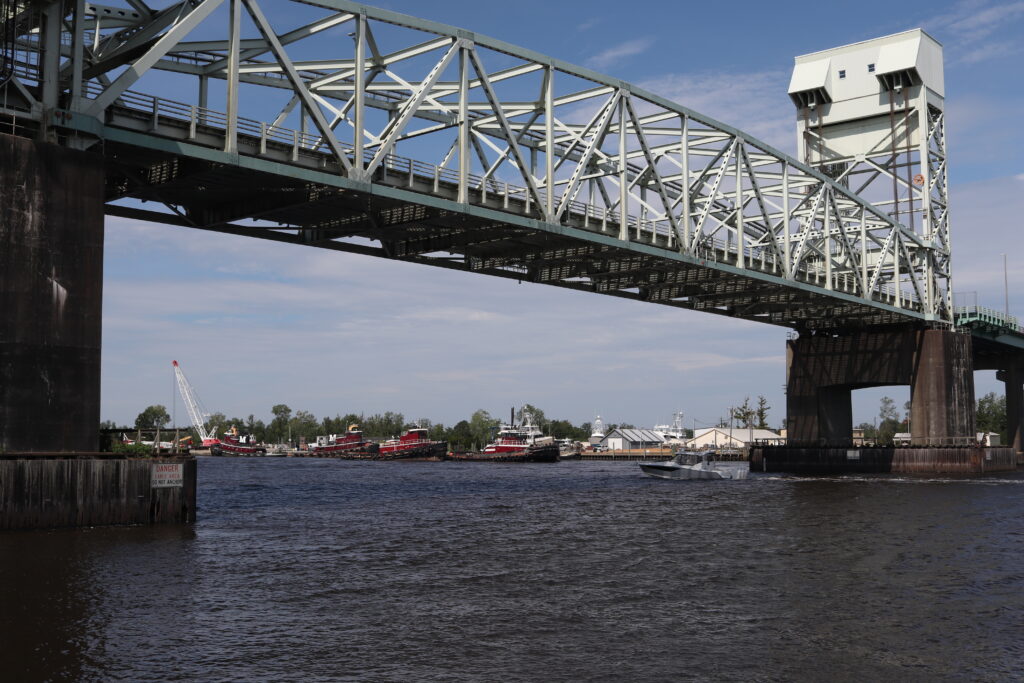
[
  {"x": 919, "y": 180},
  {"x": 167, "y": 475}
]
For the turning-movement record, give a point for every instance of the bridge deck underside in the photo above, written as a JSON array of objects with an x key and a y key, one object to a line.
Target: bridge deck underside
[{"x": 282, "y": 207}]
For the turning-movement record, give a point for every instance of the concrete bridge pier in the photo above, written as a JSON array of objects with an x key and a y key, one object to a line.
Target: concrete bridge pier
[
  {"x": 942, "y": 402},
  {"x": 1013, "y": 376},
  {"x": 824, "y": 369},
  {"x": 51, "y": 287}
]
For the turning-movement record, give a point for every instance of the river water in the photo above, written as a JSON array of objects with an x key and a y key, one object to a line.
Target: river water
[{"x": 336, "y": 570}]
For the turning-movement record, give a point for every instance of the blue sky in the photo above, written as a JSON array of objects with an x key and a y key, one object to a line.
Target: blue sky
[{"x": 255, "y": 324}]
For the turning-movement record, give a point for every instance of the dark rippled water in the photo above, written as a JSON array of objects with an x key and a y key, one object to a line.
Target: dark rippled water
[{"x": 331, "y": 570}]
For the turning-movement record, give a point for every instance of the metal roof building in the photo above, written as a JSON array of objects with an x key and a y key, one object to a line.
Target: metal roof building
[
  {"x": 725, "y": 437},
  {"x": 623, "y": 439}
]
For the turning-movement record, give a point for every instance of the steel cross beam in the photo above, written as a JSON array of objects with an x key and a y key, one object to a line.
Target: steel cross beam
[{"x": 536, "y": 139}]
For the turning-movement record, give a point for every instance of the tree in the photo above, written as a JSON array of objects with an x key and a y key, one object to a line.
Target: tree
[
  {"x": 460, "y": 437},
  {"x": 152, "y": 417},
  {"x": 887, "y": 410},
  {"x": 761, "y": 413},
  {"x": 387, "y": 425},
  {"x": 991, "y": 415},
  {"x": 278, "y": 430},
  {"x": 744, "y": 415},
  {"x": 482, "y": 426},
  {"x": 256, "y": 428},
  {"x": 304, "y": 424},
  {"x": 888, "y": 420},
  {"x": 437, "y": 432}
]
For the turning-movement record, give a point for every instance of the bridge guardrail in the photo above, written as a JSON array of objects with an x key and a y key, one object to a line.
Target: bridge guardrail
[{"x": 965, "y": 315}]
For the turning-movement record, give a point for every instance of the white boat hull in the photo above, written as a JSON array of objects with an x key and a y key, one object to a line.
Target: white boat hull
[{"x": 674, "y": 470}]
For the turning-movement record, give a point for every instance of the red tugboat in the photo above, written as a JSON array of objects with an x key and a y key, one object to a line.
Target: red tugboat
[
  {"x": 515, "y": 443},
  {"x": 234, "y": 443},
  {"x": 413, "y": 444},
  {"x": 351, "y": 445}
]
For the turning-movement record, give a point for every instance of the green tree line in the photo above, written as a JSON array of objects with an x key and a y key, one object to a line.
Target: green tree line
[
  {"x": 288, "y": 426},
  {"x": 990, "y": 416}
]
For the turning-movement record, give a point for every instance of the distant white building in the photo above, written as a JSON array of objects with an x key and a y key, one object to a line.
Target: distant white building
[
  {"x": 632, "y": 439},
  {"x": 723, "y": 437}
]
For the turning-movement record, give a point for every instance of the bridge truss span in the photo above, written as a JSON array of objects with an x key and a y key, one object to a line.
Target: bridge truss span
[{"x": 341, "y": 126}]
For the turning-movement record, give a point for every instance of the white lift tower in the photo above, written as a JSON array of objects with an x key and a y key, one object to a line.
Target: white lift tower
[{"x": 871, "y": 116}]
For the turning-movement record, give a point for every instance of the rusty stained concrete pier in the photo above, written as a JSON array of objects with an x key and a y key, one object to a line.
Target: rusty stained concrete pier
[
  {"x": 938, "y": 365},
  {"x": 51, "y": 295},
  {"x": 51, "y": 289},
  {"x": 824, "y": 370}
]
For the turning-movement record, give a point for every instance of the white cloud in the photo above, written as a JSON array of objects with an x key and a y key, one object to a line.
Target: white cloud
[
  {"x": 971, "y": 25},
  {"x": 611, "y": 55},
  {"x": 991, "y": 51},
  {"x": 755, "y": 102}
]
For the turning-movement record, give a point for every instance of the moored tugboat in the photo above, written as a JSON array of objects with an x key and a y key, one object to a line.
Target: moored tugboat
[
  {"x": 234, "y": 443},
  {"x": 515, "y": 443},
  {"x": 413, "y": 444},
  {"x": 350, "y": 446}
]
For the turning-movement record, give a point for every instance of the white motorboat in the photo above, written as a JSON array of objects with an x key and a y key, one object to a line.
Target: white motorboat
[{"x": 695, "y": 465}]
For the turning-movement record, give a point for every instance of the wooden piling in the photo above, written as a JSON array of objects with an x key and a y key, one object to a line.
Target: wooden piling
[{"x": 80, "y": 490}]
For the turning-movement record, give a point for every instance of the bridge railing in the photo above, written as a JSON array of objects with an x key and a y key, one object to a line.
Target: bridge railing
[{"x": 966, "y": 315}]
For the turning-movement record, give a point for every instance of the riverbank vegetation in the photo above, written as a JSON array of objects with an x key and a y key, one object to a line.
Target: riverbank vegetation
[{"x": 294, "y": 427}]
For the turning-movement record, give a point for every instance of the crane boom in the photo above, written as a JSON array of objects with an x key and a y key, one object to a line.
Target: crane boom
[{"x": 192, "y": 405}]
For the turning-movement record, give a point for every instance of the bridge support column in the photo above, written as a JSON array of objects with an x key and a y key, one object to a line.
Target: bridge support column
[
  {"x": 1013, "y": 376},
  {"x": 51, "y": 287},
  {"x": 942, "y": 390},
  {"x": 824, "y": 369}
]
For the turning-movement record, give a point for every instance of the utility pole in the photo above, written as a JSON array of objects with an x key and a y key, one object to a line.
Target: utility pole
[{"x": 1006, "y": 290}]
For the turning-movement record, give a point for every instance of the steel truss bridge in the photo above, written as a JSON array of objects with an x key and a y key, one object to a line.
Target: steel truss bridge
[{"x": 331, "y": 124}]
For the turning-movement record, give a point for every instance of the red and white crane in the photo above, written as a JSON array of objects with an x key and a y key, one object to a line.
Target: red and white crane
[
  {"x": 232, "y": 442},
  {"x": 194, "y": 407}
]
